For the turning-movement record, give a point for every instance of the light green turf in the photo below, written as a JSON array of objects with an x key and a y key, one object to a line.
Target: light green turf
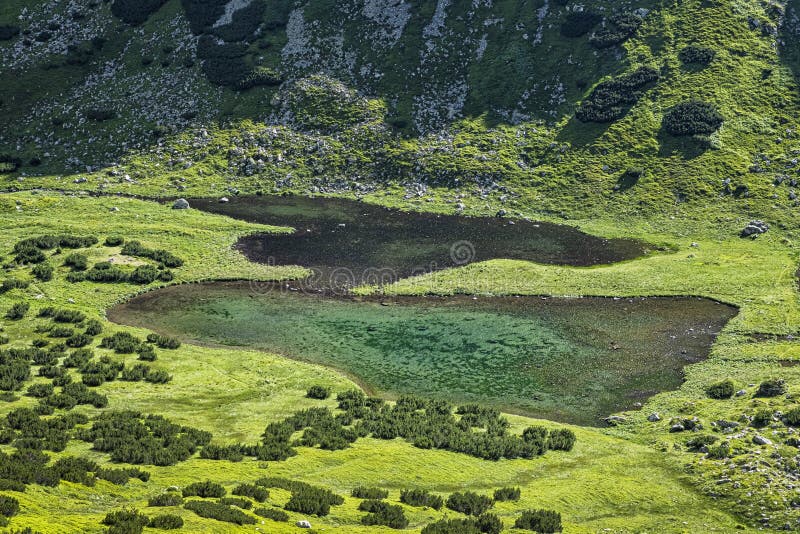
[{"x": 606, "y": 482}]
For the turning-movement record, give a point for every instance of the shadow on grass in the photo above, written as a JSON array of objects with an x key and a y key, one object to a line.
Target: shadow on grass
[
  {"x": 581, "y": 134},
  {"x": 686, "y": 147}
]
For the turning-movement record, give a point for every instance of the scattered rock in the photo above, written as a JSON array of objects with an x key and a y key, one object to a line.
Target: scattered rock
[
  {"x": 181, "y": 204},
  {"x": 761, "y": 440},
  {"x": 303, "y": 524},
  {"x": 654, "y": 417},
  {"x": 755, "y": 228},
  {"x": 741, "y": 393},
  {"x": 501, "y": 213},
  {"x": 223, "y": 200},
  {"x": 676, "y": 428}
]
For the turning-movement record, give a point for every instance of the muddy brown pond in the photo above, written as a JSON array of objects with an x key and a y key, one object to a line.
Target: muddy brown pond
[{"x": 571, "y": 360}]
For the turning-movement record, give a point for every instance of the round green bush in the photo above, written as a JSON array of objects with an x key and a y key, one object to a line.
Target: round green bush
[
  {"x": 691, "y": 118},
  {"x": 723, "y": 389}
]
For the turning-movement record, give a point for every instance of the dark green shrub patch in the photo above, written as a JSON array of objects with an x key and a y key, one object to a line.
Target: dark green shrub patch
[
  {"x": 244, "y": 504},
  {"x": 78, "y": 358},
  {"x": 77, "y": 261},
  {"x": 135, "y": 11},
  {"x": 579, "y": 23},
  {"x": 135, "y": 373},
  {"x": 94, "y": 328},
  {"x": 694, "y": 54},
  {"x": 17, "y": 311},
  {"x": 322, "y": 429},
  {"x": 102, "y": 272},
  {"x": 256, "y": 493},
  {"x": 318, "y": 392},
  {"x": 691, "y": 118},
  {"x": 40, "y": 390},
  {"x": 43, "y": 272},
  {"x": 166, "y": 499},
  {"x": 121, "y": 476},
  {"x": 13, "y": 283},
  {"x": 561, "y": 439},
  {"x": 9, "y": 506},
  {"x": 27, "y": 466},
  {"x": 49, "y": 242},
  {"x": 220, "y": 512},
  {"x": 147, "y": 354},
  {"x": 719, "y": 452},
  {"x": 771, "y": 388},
  {"x": 122, "y": 343},
  {"x": 792, "y": 416},
  {"x": 723, "y": 389},
  {"x": 132, "y": 438},
  {"x": 539, "y": 521},
  {"x": 363, "y": 492},
  {"x": 136, "y": 249},
  {"x": 469, "y": 503},
  {"x": 699, "y": 442},
  {"x": 762, "y": 418},
  {"x": 61, "y": 315},
  {"x": 15, "y": 368},
  {"x": 114, "y": 241},
  {"x": 95, "y": 373},
  {"x": 52, "y": 371},
  {"x": 381, "y": 513},
  {"x": 305, "y": 499},
  {"x": 61, "y": 331},
  {"x": 11, "y": 485},
  {"x": 272, "y": 513},
  {"x": 421, "y": 498},
  {"x": 125, "y": 522},
  {"x": 616, "y": 30},
  {"x": 144, "y": 274},
  {"x": 258, "y": 77},
  {"x": 78, "y": 340},
  {"x": 205, "y": 490},
  {"x": 232, "y": 453},
  {"x": 452, "y": 526},
  {"x": 166, "y": 522},
  {"x": 608, "y": 100},
  {"x": 164, "y": 342},
  {"x": 157, "y": 376},
  {"x": 81, "y": 394},
  {"x": 506, "y": 494},
  {"x": 29, "y": 255}
]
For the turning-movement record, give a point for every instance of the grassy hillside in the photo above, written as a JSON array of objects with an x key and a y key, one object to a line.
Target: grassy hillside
[{"x": 457, "y": 107}]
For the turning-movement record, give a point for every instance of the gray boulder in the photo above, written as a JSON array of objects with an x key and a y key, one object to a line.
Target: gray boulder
[
  {"x": 761, "y": 440},
  {"x": 755, "y": 228},
  {"x": 654, "y": 417},
  {"x": 181, "y": 204}
]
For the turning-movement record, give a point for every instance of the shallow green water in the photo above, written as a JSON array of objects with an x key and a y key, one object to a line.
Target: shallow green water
[{"x": 573, "y": 360}]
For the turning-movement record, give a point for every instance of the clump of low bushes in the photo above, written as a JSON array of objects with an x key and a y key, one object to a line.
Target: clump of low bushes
[
  {"x": 723, "y": 389},
  {"x": 539, "y": 521},
  {"x": 694, "y": 54},
  {"x": 693, "y": 117}
]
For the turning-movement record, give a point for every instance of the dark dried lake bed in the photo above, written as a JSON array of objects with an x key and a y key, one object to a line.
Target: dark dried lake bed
[{"x": 348, "y": 243}]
